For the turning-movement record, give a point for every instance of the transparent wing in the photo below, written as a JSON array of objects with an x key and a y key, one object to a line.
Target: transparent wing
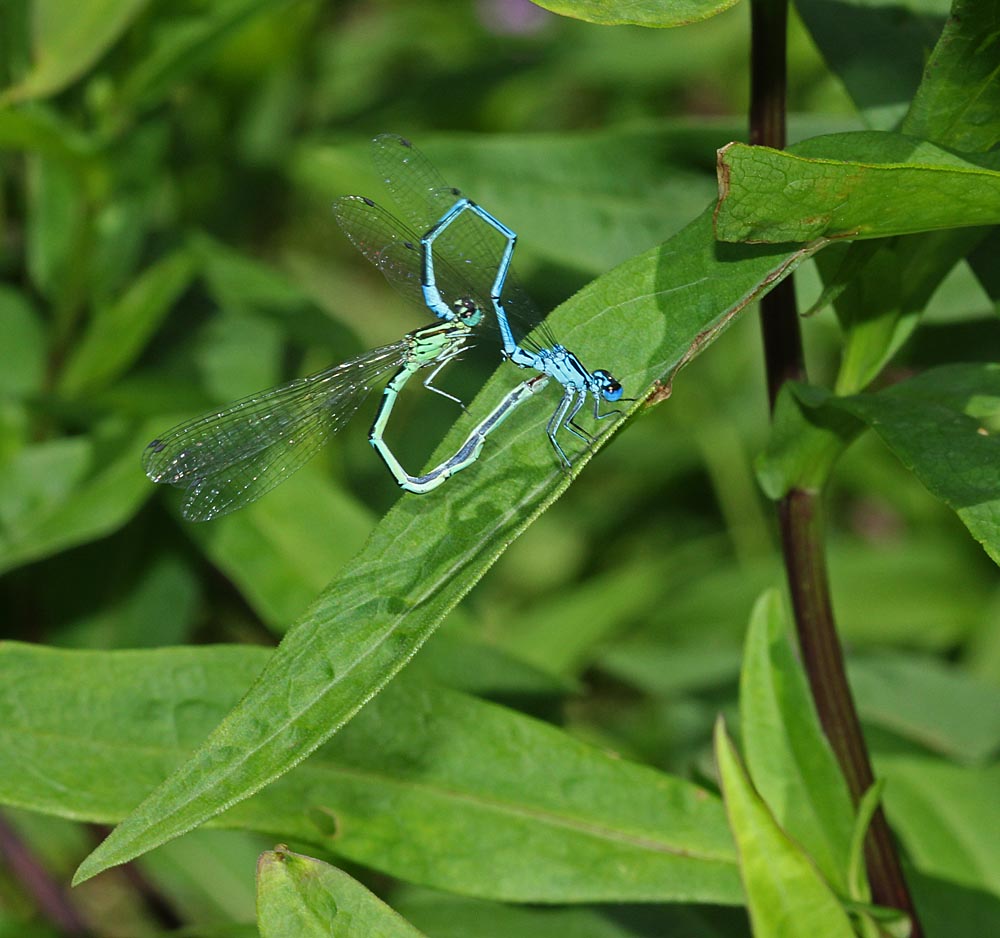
[
  {"x": 418, "y": 189},
  {"x": 469, "y": 244},
  {"x": 394, "y": 249},
  {"x": 231, "y": 458}
]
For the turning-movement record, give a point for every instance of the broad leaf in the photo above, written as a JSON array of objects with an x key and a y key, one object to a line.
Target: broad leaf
[
  {"x": 958, "y": 101},
  {"x": 946, "y": 816},
  {"x": 929, "y": 702},
  {"x": 445, "y": 916},
  {"x": 864, "y": 185},
  {"x": 649, "y": 316},
  {"x": 492, "y": 803},
  {"x": 943, "y": 424},
  {"x": 853, "y": 36},
  {"x": 884, "y": 302}
]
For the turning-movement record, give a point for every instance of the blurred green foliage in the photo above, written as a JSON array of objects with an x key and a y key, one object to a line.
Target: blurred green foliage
[{"x": 167, "y": 246}]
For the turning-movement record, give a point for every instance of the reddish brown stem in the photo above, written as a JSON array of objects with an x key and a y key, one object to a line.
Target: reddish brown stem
[{"x": 800, "y": 511}]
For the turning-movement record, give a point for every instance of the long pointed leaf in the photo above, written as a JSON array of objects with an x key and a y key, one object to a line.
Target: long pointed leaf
[{"x": 643, "y": 319}]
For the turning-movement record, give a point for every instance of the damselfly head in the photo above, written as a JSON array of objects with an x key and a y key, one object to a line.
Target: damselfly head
[
  {"x": 467, "y": 312},
  {"x": 607, "y": 385}
]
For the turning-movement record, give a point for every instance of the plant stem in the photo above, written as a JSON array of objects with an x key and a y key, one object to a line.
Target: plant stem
[
  {"x": 800, "y": 511},
  {"x": 38, "y": 883}
]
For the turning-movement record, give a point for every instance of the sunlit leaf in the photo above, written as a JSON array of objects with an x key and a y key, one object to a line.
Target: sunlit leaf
[
  {"x": 863, "y": 185},
  {"x": 67, "y": 39},
  {"x": 786, "y": 895},
  {"x": 791, "y": 762},
  {"x": 494, "y": 804},
  {"x": 958, "y": 101},
  {"x": 675, "y": 301},
  {"x": 637, "y": 12}
]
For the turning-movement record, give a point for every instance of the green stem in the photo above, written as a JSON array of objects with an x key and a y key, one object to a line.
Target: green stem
[{"x": 800, "y": 511}]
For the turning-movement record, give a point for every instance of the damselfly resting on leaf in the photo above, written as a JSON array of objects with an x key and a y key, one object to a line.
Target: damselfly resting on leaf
[
  {"x": 455, "y": 221},
  {"x": 231, "y": 458}
]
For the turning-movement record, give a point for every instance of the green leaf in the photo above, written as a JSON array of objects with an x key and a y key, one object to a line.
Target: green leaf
[
  {"x": 500, "y": 806},
  {"x": 279, "y": 552},
  {"x": 932, "y": 703},
  {"x": 882, "y": 306},
  {"x": 56, "y": 221},
  {"x": 655, "y": 13},
  {"x": 791, "y": 762},
  {"x": 183, "y": 46},
  {"x": 62, "y": 493},
  {"x": 24, "y": 345},
  {"x": 480, "y": 668},
  {"x": 585, "y": 201},
  {"x": 38, "y": 130},
  {"x": 865, "y": 185},
  {"x": 786, "y": 895},
  {"x": 805, "y": 442},
  {"x": 921, "y": 597},
  {"x": 853, "y": 36},
  {"x": 958, "y": 101},
  {"x": 445, "y": 916},
  {"x": 67, "y": 39},
  {"x": 944, "y": 425},
  {"x": 117, "y": 336},
  {"x": 240, "y": 283},
  {"x": 946, "y": 817},
  {"x": 857, "y": 874},
  {"x": 675, "y": 299},
  {"x": 298, "y": 895},
  {"x": 559, "y": 636},
  {"x": 493, "y": 803}
]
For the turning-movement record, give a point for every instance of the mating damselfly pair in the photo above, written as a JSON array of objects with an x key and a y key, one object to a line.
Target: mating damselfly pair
[{"x": 452, "y": 256}]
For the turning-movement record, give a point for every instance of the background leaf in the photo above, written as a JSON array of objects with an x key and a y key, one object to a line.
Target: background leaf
[
  {"x": 66, "y": 41},
  {"x": 949, "y": 812},
  {"x": 297, "y": 895},
  {"x": 66, "y": 492}
]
